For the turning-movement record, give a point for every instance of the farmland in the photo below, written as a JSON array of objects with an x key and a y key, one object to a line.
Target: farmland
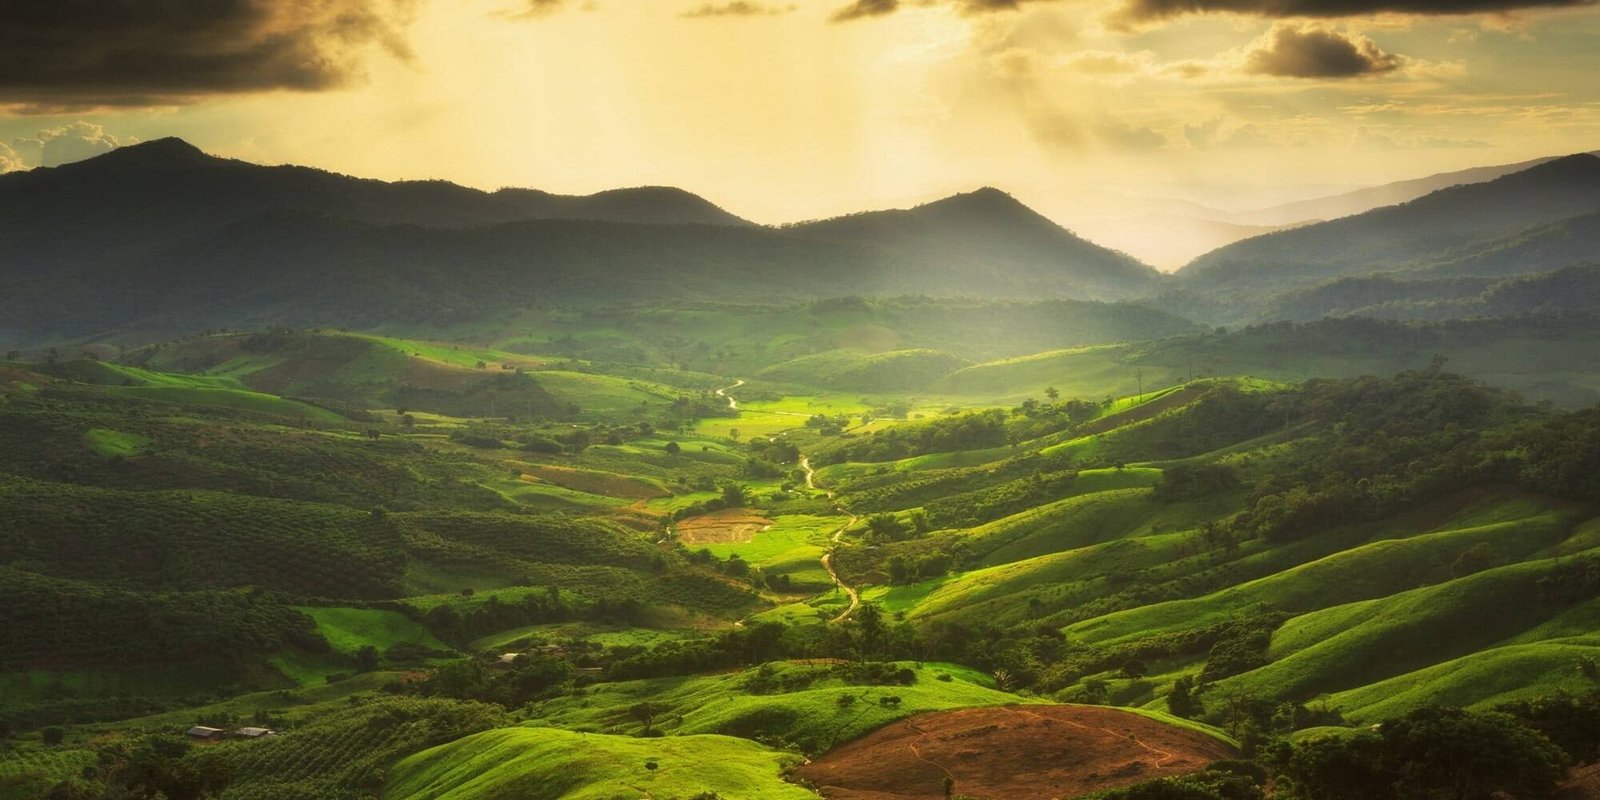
[{"x": 438, "y": 598}]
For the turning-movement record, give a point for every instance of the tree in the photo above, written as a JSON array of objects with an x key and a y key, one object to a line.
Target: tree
[
  {"x": 367, "y": 658},
  {"x": 673, "y": 448},
  {"x": 1430, "y": 753},
  {"x": 1052, "y": 393},
  {"x": 870, "y": 629},
  {"x": 1454, "y": 753},
  {"x": 734, "y": 495},
  {"x": 1572, "y": 722},
  {"x": 646, "y": 712},
  {"x": 53, "y": 735},
  {"x": 886, "y": 527},
  {"x": 899, "y": 569},
  {"x": 13, "y": 355},
  {"x": 1181, "y": 701}
]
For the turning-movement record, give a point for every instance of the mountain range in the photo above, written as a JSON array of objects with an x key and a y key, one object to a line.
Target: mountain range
[{"x": 162, "y": 239}]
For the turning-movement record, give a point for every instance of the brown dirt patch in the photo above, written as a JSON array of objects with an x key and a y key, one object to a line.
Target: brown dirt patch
[
  {"x": 425, "y": 374},
  {"x": 601, "y": 483},
  {"x": 721, "y": 527},
  {"x": 1142, "y": 411},
  {"x": 1010, "y": 753},
  {"x": 1582, "y": 784}
]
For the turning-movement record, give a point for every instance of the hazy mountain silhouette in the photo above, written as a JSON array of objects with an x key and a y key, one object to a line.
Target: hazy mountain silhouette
[
  {"x": 164, "y": 237},
  {"x": 1407, "y": 237},
  {"x": 993, "y": 234},
  {"x": 156, "y": 192},
  {"x": 1362, "y": 200}
]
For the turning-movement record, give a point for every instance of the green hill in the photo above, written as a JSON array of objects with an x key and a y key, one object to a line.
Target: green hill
[{"x": 553, "y": 763}]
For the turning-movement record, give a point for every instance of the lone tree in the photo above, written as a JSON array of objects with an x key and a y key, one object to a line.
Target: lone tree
[
  {"x": 673, "y": 448},
  {"x": 646, "y": 712}
]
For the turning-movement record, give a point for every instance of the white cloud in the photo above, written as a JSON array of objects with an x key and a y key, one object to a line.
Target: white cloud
[{"x": 53, "y": 147}]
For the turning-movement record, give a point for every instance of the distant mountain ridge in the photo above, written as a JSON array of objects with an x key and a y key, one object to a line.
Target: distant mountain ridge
[
  {"x": 1362, "y": 200},
  {"x": 991, "y": 231},
  {"x": 155, "y": 191},
  {"x": 1411, "y": 236},
  {"x": 161, "y": 236}
]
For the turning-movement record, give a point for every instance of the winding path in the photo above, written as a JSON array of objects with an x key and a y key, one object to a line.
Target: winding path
[
  {"x": 837, "y": 539},
  {"x": 723, "y": 393},
  {"x": 838, "y": 535}
]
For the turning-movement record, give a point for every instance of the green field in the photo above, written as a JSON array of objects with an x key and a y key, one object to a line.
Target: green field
[
  {"x": 548, "y": 762},
  {"x": 813, "y": 718},
  {"x": 1307, "y": 556},
  {"x": 349, "y": 629}
]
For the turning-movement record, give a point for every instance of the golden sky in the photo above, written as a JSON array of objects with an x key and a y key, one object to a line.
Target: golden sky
[{"x": 790, "y": 110}]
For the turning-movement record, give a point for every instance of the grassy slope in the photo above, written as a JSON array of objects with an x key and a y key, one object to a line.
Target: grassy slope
[
  {"x": 791, "y": 546},
  {"x": 1377, "y": 643},
  {"x": 811, "y": 718},
  {"x": 348, "y": 629},
  {"x": 546, "y": 763}
]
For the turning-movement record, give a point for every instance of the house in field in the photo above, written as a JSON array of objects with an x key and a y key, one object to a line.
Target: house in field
[
  {"x": 255, "y": 733},
  {"x": 204, "y": 734}
]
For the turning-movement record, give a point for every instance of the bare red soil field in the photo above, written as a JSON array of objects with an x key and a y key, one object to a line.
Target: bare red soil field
[
  {"x": 1010, "y": 753},
  {"x": 1582, "y": 784}
]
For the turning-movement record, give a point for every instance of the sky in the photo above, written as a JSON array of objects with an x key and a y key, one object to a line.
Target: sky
[{"x": 783, "y": 110}]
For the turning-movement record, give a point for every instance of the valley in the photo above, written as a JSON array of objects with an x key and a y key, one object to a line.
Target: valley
[{"x": 461, "y": 495}]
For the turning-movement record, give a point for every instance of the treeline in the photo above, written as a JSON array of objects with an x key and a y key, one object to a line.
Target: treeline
[
  {"x": 1520, "y": 750},
  {"x": 197, "y": 540},
  {"x": 976, "y": 431},
  {"x": 45, "y": 435},
  {"x": 1391, "y": 443}
]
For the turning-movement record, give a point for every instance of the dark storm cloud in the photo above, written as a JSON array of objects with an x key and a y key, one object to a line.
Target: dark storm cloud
[
  {"x": 1310, "y": 51},
  {"x": 866, "y": 8},
  {"x": 737, "y": 8},
  {"x": 875, "y": 8},
  {"x": 64, "y": 54},
  {"x": 1151, "y": 10}
]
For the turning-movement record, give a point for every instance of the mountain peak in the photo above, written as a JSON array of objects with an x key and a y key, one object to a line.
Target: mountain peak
[
  {"x": 166, "y": 145},
  {"x": 987, "y": 196},
  {"x": 167, "y": 150},
  {"x": 987, "y": 204},
  {"x": 1579, "y": 164}
]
